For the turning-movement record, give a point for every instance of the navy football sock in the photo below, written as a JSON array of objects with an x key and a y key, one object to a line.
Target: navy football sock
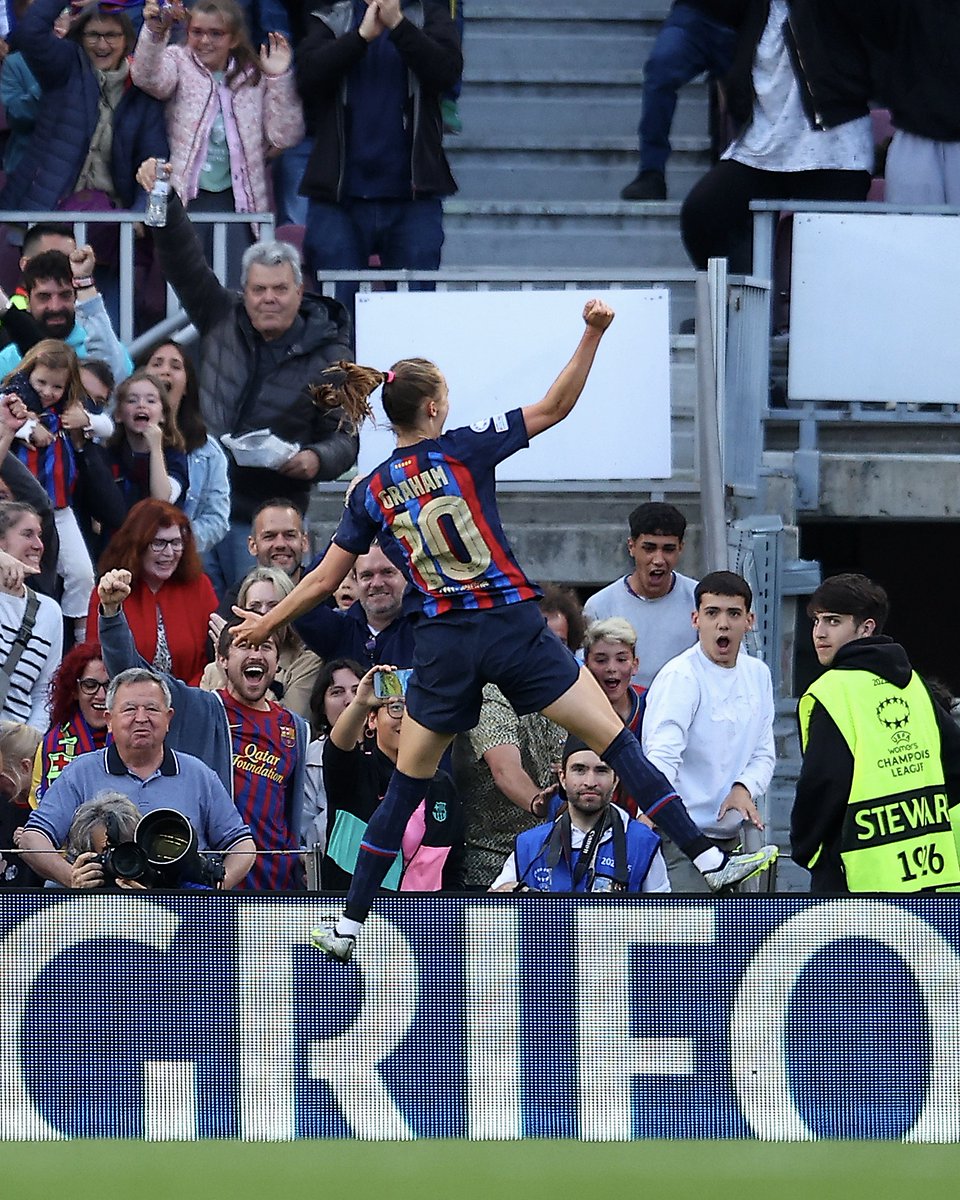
[
  {"x": 655, "y": 796},
  {"x": 382, "y": 841}
]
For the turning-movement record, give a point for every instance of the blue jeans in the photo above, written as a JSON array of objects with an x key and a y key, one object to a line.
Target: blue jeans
[
  {"x": 288, "y": 171},
  {"x": 406, "y": 234},
  {"x": 688, "y": 44}
]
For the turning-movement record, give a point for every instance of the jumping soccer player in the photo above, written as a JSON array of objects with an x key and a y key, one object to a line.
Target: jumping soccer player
[{"x": 432, "y": 505}]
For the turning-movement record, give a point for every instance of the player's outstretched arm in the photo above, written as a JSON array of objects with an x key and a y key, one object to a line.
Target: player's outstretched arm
[
  {"x": 566, "y": 388},
  {"x": 313, "y": 588}
]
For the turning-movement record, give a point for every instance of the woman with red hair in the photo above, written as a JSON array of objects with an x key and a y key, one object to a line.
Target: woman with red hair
[
  {"x": 78, "y": 713},
  {"x": 171, "y": 602}
]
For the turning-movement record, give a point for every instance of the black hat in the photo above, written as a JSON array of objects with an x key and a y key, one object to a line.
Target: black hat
[{"x": 573, "y": 745}]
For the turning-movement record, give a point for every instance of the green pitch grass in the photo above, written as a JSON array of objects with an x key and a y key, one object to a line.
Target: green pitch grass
[{"x": 531, "y": 1170}]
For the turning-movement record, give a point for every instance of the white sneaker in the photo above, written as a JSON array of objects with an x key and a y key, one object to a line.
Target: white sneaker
[
  {"x": 335, "y": 945},
  {"x": 739, "y": 867}
]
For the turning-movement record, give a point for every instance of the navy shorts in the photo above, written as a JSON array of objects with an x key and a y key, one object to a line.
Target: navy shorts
[{"x": 457, "y": 653}]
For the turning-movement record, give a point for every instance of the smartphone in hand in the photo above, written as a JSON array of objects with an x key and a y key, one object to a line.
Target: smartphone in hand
[{"x": 390, "y": 683}]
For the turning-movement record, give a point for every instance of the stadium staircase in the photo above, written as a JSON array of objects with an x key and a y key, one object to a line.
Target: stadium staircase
[{"x": 550, "y": 104}]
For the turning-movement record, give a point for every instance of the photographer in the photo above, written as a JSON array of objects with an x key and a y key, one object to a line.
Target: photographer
[
  {"x": 107, "y": 820},
  {"x": 140, "y": 765},
  {"x": 591, "y": 845}
]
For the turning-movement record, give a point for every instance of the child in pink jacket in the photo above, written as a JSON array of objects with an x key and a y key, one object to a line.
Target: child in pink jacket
[{"x": 227, "y": 108}]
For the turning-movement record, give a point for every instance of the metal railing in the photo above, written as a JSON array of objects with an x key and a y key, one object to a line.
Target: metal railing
[{"x": 127, "y": 222}]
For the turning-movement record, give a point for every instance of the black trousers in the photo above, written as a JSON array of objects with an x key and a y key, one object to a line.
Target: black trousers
[{"x": 715, "y": 220}]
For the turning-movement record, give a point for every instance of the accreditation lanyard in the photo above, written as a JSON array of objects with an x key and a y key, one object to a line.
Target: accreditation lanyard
[{"x": 561, "y": 846}]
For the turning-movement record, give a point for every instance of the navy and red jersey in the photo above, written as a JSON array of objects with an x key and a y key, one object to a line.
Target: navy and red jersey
[
  {"x": 63, "y": 743},
  {"x": 54, "y": 466},
  {"x": 264, "y": 759},
  {"x": 131, "y": 470},
  {"x": 434, "y": 508}
]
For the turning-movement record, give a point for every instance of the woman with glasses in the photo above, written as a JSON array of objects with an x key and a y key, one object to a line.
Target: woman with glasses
[
  {"x": 78, "y": 713},
  {"x": 359, "y": 757},
  {"x": 93, "y": 126},
  {"x": 227, "y": 107},
  {"x": 169, "y": 607},
  {"x": 297, "y": 667}
]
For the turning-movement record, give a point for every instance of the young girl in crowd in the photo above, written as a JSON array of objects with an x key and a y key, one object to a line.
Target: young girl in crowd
[
  {"x": 146, "y": 450},
  {"x": 48, "y": 382},
  {"x": 208, "y": 496},
  {"x": 226, "y": 106}
]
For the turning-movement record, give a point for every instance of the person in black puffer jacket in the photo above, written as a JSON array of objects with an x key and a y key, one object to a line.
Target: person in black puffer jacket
[{"x": 907, "y": 56}]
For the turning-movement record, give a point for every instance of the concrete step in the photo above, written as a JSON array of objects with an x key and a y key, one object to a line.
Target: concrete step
[
  {"x": 540, "y": 11},
  {"x": 574, "y": 234},
  {"x": 520, "y": 112},
  {"x": 611, "y": 52},
  {"x": 535, "y": 173}
]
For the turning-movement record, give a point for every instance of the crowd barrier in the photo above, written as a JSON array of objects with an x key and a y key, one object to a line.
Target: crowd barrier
[{"x": 178, "y": 1016}]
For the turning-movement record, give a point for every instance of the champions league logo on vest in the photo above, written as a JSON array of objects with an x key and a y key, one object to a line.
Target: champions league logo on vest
[
  {"x": 894, "y": 712},
  {"x": 904, "y": 757}
]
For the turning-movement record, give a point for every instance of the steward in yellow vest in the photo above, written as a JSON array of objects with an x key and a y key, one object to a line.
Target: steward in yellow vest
[
  {"x": 877, "y": 806},
  {"x": 874, "y": 811}
]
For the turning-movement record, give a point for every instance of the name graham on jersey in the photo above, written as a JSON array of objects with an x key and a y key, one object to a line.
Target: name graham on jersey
[{"x": 431, "y": 480}]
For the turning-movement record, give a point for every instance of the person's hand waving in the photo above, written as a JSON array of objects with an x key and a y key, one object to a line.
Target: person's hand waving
[{"x": 275, "y": 55}]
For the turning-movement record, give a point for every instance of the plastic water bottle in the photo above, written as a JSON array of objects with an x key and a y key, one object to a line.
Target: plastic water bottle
[{"x": 156, "y": 214}]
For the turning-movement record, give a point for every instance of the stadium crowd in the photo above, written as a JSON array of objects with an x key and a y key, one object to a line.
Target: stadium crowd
[{"x": 143, "y": 502}]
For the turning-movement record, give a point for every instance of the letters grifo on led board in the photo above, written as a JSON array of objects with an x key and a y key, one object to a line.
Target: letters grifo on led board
[{"x": 166, "y": 1016}]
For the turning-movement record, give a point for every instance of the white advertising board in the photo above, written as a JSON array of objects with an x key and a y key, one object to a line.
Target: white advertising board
[
  {"x": 875, "y": 308},
  {"x": 502, "y": 349}
]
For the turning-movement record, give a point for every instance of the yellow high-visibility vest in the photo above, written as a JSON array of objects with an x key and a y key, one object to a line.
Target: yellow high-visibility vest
[{"x": 901, "y": 831}]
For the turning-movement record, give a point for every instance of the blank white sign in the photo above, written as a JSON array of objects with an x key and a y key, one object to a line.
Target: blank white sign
[
  {"x": 502, "y": 350},
  {"x": 875, "y": 308}
]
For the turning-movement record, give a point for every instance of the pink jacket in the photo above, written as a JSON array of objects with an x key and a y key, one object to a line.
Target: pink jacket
[{"x": 255, "y": 118}]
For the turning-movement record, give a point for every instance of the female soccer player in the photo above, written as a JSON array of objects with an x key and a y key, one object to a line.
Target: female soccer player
[{"x": 432, "y": 506}]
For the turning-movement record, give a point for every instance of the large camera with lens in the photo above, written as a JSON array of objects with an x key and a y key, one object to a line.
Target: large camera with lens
[{"x": 163, "y": 854}]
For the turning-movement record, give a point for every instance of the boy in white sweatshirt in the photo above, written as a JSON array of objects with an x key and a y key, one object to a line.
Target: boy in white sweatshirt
[{"x": 708, "y": 724}]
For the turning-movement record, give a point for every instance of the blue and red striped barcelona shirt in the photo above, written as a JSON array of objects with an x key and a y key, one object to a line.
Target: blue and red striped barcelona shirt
[
  {"x": 264, "y": 759},
  {"x": 434, "y": 508}
]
